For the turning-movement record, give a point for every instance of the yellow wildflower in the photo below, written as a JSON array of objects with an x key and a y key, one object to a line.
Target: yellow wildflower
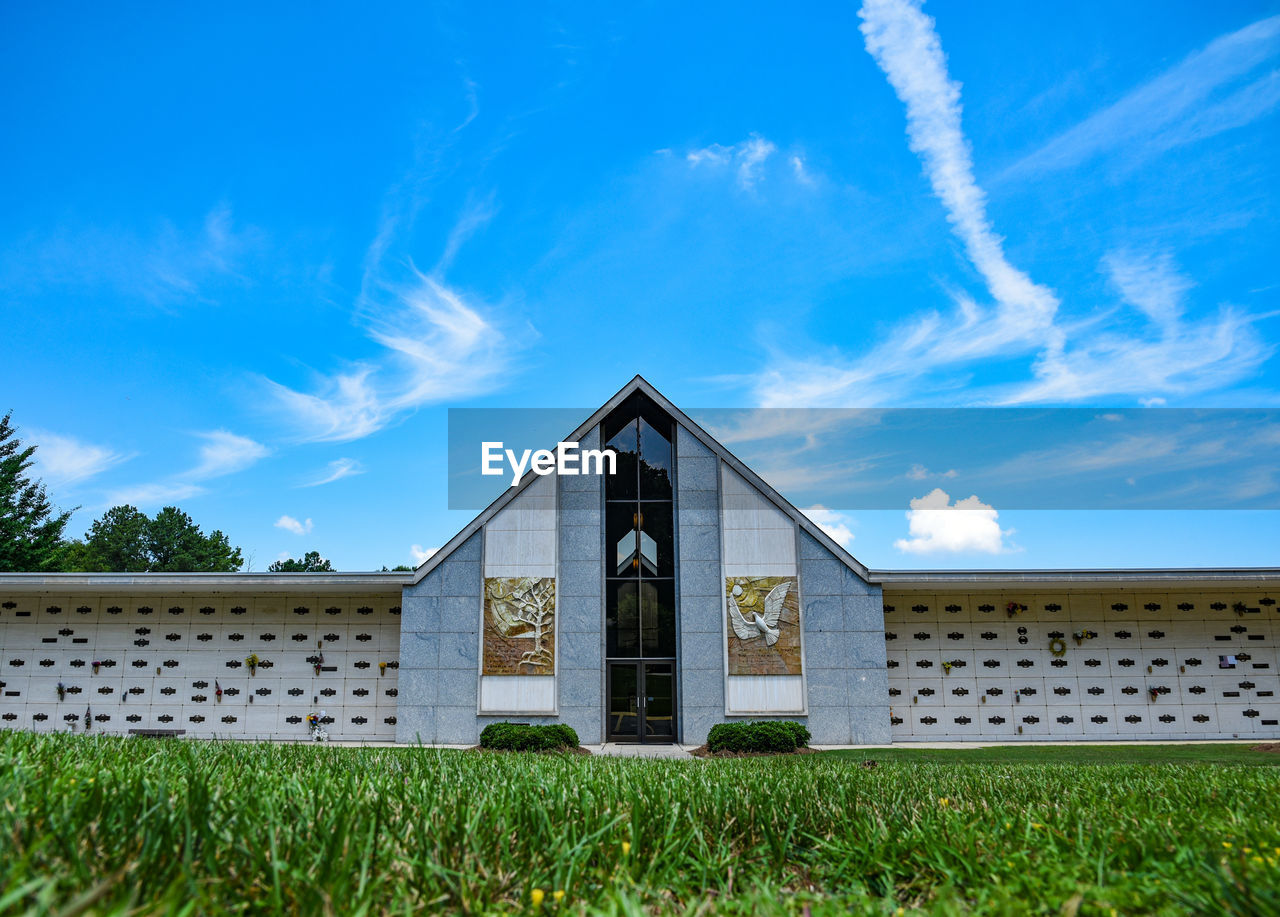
[
  {"x": 558, "y": 894},
  {"x": 536, "y": 897},
  {"x": 1226, "y": 844},
  {"x": 626, "y": 847},
  {"x": 944, "y": 801}
]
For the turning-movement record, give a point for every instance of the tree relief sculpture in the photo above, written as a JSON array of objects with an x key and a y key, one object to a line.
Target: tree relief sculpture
[
  {"x": 763, "y": 627},
  {"x": 519, "y": 625}
]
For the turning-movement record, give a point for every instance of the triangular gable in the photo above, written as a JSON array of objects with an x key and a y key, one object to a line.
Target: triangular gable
[{"x": 640, "y": 384}]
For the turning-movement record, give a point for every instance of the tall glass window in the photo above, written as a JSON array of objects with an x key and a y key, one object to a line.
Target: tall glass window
[{"x": 640, "y": 567}]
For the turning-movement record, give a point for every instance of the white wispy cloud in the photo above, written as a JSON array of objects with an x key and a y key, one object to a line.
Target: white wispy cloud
[
  {"x": 438, "y": 346},
  {"x": 154, "y": 494},
  {"x": 63, "y": 460},
  {"x": 224, "y": 453},
  {"x": 439, "y": 343},
  {"x": 753, "y": 424},
  {"x": 748, "y": 157},
  {"x": 420, "y": 554},
  {"x": 835, "y": 524},
  {"x": 801, "y": 171},
  {"x": 920, "y": 473},
  {"x": 290, "y": 524},
  {"x": 1174, "y": 108},
  {"x": 168, "y": 265},
  {"x": 903, "y": 42},
  {"x": 1168, "y": 353},
  {"x": 475, "y": 216},
  {"x": 221, "y": 454},
  {"x": 336, "y": 471},
  {"x": 935, "y": 525}
]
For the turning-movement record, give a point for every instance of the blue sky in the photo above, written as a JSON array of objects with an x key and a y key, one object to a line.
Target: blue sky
[{"x": 250, "y": 257}]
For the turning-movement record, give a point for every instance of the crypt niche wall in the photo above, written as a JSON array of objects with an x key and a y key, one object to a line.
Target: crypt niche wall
[{"x": 110, "y": 662}]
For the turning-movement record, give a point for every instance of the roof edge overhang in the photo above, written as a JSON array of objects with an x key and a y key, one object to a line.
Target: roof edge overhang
[
  {"x": 204, "y": 583},
  {"x": 1078, "y": 579},
  {"x": 639, "y": 384}
]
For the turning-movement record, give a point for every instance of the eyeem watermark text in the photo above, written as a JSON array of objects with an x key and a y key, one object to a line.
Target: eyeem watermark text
[{"x": 568, "y": 458}]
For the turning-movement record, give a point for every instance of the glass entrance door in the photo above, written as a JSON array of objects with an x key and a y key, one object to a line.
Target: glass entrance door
[
  {"x": 624, "y": 702},
  {"x": 659, "y": 711},
  {"x": 641, "y": 702}
]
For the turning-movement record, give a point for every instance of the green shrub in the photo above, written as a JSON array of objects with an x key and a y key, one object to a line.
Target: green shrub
[
  {"x": 523, "y": 737},
  {"x": 799, "y": 731},
  {"x": 763, "y": 736}
]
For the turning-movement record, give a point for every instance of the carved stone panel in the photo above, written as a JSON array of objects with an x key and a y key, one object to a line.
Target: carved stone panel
[
  {"x": 763, "y": 627},
  {"x": 519, "y": 625}
]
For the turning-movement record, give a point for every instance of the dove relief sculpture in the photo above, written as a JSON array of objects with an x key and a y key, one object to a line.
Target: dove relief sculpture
[{"x": 763, "y": 625}]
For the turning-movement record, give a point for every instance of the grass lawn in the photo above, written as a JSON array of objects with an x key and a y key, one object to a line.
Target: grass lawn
[
  {"x": 1191, "y": 753},
  {"x": 107, "y": 825}
]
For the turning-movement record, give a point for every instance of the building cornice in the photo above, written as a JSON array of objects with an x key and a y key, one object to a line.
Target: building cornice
[
  {"x": 206, "y": 583},
  {"x": 1077, "y": 579}
]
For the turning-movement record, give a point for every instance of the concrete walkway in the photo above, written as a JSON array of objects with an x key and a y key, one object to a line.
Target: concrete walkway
[
  {"x": 634, "y": 750},
  {"x": 1090, "y": 741}
]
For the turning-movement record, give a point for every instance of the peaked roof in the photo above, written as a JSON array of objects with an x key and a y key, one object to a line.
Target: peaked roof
[{"x": 640, "y": 384}]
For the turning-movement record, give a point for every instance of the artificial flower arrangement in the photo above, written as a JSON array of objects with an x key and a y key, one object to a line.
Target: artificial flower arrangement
[
  {"x": 217, "y": 691},
  {"x": 252, "y": 661},
  {"x": 315, "y": 721},
  {"x": 1015, "y": 608},
  {"x": 1083, "y": 635},
  {"x": 62, "y": 691}
]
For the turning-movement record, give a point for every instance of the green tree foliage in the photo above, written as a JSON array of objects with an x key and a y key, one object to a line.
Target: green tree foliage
[
  {"x": 176, "y": 544},
  {"x": 311, "y": 562},
  {"x": 118, "y": 542},
  {"x": 30, "y": 530},
  {"x": 125, "y": 540}
]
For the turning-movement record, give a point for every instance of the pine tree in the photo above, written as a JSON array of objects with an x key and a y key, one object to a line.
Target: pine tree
[
  {"x": 125, "y": 540},
  {"x": 30, "y": 530},
  {"x": 311, "y": 562}
]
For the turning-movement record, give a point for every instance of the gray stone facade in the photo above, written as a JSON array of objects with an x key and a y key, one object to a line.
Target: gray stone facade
[
  {"x": 844, "y": 650},
  {"x": 847, "y": 688},
  {"x": 580, "y": 601},
  {"x": 700, "y": 585},
  {"x": 440, "y": 651}
]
